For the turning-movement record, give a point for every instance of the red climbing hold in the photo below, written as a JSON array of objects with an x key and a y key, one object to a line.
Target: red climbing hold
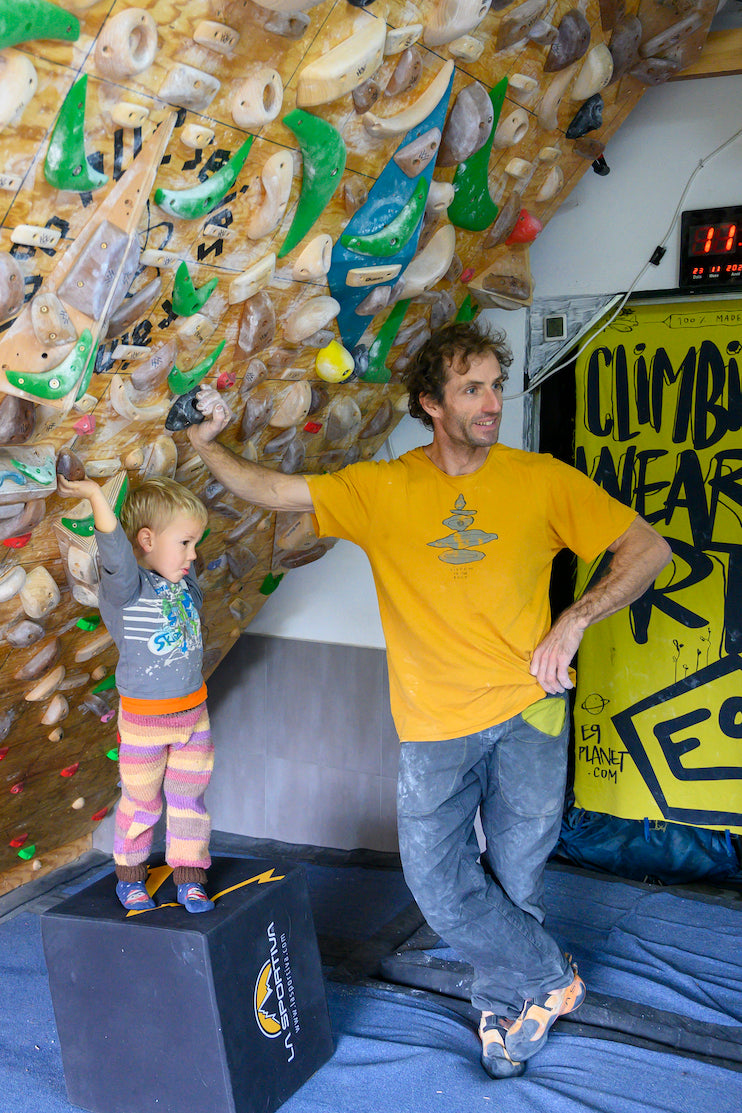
[
  {"x": 17, "y": 542},
  {"x": 526, "y": 229}
]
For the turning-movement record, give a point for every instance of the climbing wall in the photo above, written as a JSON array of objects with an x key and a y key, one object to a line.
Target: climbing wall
[{"x": 277, "y": 199}]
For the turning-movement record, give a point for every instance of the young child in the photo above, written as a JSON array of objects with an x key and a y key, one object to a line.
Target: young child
[{"x": 149, "y": 601}]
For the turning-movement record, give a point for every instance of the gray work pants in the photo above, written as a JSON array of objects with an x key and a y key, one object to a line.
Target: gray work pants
[{"x": 516, "y": 776}]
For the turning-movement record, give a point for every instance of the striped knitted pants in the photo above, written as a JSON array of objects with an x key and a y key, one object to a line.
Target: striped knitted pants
[{"x": 171, "y": 754}]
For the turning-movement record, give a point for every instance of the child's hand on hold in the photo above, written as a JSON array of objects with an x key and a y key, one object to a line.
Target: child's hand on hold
[{"x": 77, "y": 488}]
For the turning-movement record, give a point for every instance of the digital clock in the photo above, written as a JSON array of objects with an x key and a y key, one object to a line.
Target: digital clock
[{"x": 711, "y": 250}]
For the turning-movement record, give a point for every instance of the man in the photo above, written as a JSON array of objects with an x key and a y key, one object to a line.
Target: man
[{"x": 461, "y": 535}]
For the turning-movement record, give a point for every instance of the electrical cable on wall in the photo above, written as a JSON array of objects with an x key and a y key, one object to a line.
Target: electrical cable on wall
[{"x": 654, "y": 260}]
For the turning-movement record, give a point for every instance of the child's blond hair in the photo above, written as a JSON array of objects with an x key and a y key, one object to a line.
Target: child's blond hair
[{"x": 154, "y": 504}]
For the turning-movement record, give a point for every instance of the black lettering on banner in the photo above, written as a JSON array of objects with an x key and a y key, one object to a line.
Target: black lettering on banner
[
  {"x": 621, "y": 397},
  {"x": 699, "y": 567},
  {"x": 689, "y": 480},
  {"x": 730, "y": 717},
  {"x": 732, "y": 595},
  {"x": 712, "y": 804}
]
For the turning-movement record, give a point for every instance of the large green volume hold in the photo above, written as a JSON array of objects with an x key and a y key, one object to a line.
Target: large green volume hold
[
  {"x": 66, "y": 165},
  {"x": 61, "y": 379},
  {"x": 180, "y": 382},
  {"x": 390, "y": 239},
  {"x": 24, "y": 20},
  {"x": 472, "y": 206},
  {"x": 323, "y": 162},
  {"x": 198, "y": 200}
]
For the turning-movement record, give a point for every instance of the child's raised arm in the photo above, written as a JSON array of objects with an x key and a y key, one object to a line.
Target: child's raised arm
[{"x": 103, "y": 516}]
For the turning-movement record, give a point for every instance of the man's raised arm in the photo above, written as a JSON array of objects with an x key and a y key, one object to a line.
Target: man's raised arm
[
  {"x": 639, "y": 555},
  {"x": 252, "y": 482}
]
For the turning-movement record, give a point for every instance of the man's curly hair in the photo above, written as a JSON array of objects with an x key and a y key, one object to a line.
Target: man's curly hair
[{"x": 449, "y": 348}]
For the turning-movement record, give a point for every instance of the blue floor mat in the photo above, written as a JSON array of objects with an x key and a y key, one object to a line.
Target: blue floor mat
[
  {"x": 394, "y": 1054},
  {"x": 649, "y": 946},
  {"x": 400, "y": 1052}
]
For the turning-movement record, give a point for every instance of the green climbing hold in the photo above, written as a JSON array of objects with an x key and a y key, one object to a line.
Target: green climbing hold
[
  {"x": 186, "y": 299},
  {"x": 203, "y": 536},
  {"x": 24, "y": 20},
  {"x": 396, "y": 234},
  {"x": 467, "y": 310},
  {"x": 377, "y": 371},
  {"x": 40, "y": 473},
  {"x": 59, "y": 381},
  {"x": 27, "y": 852},
  {"x": 198, "y": 200},
  {"x": 81, "y": 527},
  {"x": 472, "y": 206},
  {"x": 180, "y": 382},
  {"x": 88, "y": 622},
  {"x": 87, "y": 373},
  {"x": 121, "y": 497},
  {"x": 66, "y": 165},
  {"x": 113, "y": 753},
  {"x": 105, "y": 685},
  {"x": 323, "y": 161},
  {"x": 270, "y": 583}
]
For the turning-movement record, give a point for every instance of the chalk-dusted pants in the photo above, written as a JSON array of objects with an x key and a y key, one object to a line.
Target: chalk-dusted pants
[
  {"x": 515, "y": 775},
  {"x": 171, "y": 755}
]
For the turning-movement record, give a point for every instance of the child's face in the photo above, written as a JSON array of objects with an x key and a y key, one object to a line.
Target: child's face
[{"x": 169, "y": 551}]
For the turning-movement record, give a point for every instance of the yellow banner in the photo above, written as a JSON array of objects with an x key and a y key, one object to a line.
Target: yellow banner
[{"x": 658, "y": 714}]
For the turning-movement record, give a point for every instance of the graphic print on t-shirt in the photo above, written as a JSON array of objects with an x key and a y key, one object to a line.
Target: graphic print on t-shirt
[
  {"x": 169, "y": 624},
  {"x": 460, "y": 546}
]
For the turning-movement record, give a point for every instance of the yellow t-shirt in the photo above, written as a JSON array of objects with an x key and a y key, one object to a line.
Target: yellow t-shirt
[{"x": 462, "y": 567}]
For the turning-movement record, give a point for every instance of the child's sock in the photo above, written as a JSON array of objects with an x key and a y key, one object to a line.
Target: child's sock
[
  {"x": 193, "y": 896},
  {"x": 134, "y": 896}
]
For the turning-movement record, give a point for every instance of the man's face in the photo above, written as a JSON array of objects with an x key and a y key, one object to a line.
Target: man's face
[{"x": 469, "y": 415}]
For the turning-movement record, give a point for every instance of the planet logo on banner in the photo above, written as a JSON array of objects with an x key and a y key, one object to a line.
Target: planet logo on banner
[{"x": 268, "y": 1024}]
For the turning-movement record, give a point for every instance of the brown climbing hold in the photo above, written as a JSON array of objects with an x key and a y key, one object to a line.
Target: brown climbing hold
[
  {"x": 155, "y": 371},
  {"x": 366, "y": 95},
  {"x": 46, "y": 685},
  {"x": 24, "y": 633},
  {"x": 571, "y": 44},
  {"x": 257, "y": 325},
  {"x": 12, "y": 288},
  {"x": 343, "y": 420},
  {"x": 17, "y": 419},
  {"x": 57, "y": 709},
  {"x": 131, "y": 309},
  {"x": 33, "y": 512},
  {"x": 415, "y": 156},
  {"x": 257, "y": 412},
  {"x": 42, "y": 660},
  {"x": 407, "y": 72},
  {"x": 70, "y": 466},
  {"x": 378, "y": 422}
]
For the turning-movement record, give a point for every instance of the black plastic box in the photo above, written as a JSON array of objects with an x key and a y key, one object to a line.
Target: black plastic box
[{"x": 174, "y": 1012}]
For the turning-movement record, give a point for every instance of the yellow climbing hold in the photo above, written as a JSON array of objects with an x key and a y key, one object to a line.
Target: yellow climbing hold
[{"x": 334, "y": 363}]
